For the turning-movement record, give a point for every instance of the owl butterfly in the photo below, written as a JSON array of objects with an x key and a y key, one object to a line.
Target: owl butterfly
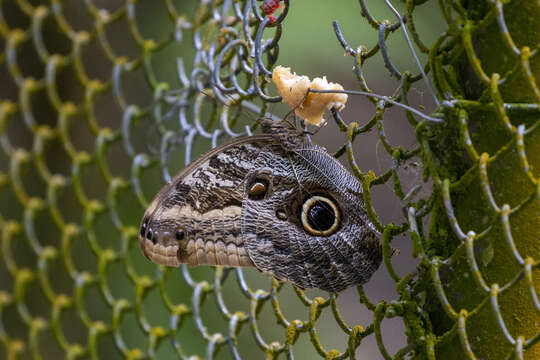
[{"x": 273, "y": 201}]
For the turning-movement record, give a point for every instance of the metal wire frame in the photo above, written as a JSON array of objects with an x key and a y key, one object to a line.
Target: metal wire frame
[{"x": 229, "y": 46}]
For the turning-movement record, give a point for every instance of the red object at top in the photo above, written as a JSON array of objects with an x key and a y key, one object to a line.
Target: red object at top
[{"x": 268, "y": 7}]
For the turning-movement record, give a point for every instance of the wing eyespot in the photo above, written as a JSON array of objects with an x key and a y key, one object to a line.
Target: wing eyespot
[
  {"x": 320, "y": 216},
  {"x": 152, "y": 236},
  {"x": 180, "y": 234},
  {"x": 281, "y": 214},
  {"x": 258, "y": 189},
  {"x": 142, "y": 231}
]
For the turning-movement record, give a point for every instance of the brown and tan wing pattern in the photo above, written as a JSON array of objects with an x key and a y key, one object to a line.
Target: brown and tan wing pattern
[
  {"x": 271, "y": 201},
  {"x": 196, "y": 218},
  {"x": 281, "y": 246}
]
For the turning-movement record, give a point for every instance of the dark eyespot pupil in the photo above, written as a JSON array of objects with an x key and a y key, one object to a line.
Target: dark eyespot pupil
[
  {"x": 179, "y": 234},
  {"x": 143, "y": 228},
  {"x": 321, "y": 216}
]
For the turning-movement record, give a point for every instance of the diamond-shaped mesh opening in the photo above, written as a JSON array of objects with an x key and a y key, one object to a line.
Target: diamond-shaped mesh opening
[{"x": 101, "y": 102}]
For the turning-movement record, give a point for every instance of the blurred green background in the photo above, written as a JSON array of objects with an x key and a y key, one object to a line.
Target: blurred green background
[{"x": 308, "y": 45}]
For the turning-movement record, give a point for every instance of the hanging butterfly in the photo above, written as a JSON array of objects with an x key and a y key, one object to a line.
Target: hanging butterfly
[{"x": 273, "y": 201}]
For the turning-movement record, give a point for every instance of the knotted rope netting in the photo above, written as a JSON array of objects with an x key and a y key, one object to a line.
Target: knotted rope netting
[{"x": 82, "y": 150}]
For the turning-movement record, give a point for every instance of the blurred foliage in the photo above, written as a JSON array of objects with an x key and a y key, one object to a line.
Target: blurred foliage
[{"x": 96, "y": 111}]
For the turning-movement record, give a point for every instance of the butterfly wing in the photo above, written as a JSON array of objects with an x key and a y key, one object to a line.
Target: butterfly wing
[
  {"x": 289, "y": 209},
  {"x": 284, "y": 232},
  {"x": 196, "y": 218}
]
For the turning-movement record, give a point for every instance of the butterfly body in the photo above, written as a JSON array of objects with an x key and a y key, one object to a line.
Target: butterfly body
[{"x": 273, "y": 201}]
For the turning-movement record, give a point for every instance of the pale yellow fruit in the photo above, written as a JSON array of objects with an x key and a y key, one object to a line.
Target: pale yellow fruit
[{"x": 293, "y": 88}]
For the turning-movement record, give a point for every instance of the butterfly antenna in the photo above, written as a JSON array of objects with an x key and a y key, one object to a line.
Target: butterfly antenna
[{"x": 409, "y": 43}]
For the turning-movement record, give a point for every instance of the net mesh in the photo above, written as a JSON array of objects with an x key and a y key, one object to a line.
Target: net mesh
[{"x": 82, "y": 150}]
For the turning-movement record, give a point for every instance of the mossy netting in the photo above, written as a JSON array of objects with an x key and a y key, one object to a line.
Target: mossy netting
[{"x": 231, "y": 60}]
